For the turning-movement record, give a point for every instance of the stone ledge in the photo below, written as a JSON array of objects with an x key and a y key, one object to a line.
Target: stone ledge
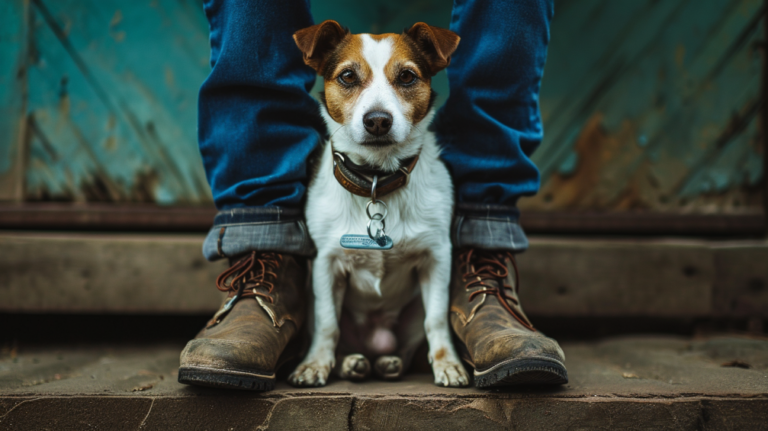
[
  {"x": 359, "y": 413},
  {"x": 640, "y": 382}
]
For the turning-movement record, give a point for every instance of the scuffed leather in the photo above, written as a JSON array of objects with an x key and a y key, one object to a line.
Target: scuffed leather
[
  {"x": 247, "y": 338},
  {"x": 490, "y": 334}
]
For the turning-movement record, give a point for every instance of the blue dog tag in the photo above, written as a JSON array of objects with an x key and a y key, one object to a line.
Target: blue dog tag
[{"x": 364, "y": 242}]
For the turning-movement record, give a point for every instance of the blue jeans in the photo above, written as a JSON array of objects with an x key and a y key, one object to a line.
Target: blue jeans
[{"x": 258, "y": 123}]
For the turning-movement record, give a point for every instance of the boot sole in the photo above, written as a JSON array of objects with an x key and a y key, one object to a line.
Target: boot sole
[
  {"x": 525, "y": 371},
  {"x": 214, "y": 378}
]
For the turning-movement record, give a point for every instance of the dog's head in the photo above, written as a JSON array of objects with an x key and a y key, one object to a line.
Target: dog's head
[{"x": 377, "y": 87}]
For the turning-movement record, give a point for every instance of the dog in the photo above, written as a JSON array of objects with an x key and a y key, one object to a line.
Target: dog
[{"x": 377, "y": 305}]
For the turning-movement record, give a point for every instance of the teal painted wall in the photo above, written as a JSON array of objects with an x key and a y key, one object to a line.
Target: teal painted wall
[
  {"x": 112, "y": 101},
  {"x": 647, "y": 104},
  {"x": 653, "y": 105},
  {"x": 13, "y": 55}
]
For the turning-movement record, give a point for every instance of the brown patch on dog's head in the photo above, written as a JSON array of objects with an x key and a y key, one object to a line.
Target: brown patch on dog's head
[
  {"x": 436, "y": 44},
  {"x": 317, "y": 41},
  {"x": 412, "y": 55},
  {"x": 339, "y": 95},
  {"x": 397, "y": 68}
]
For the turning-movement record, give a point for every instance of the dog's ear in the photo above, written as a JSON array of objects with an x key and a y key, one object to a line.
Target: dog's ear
[
  {"x": 317, "y": 41},
  {"x": 437, "y": 44}
]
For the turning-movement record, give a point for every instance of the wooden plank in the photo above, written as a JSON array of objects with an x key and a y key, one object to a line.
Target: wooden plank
[
  {"x": 617, "y": 278},
  {"x": 13, "y": 85},
  {"x": 137, "y": 217},
  {"x": 133, "y": 217},
  {"x": 741, "y": 284},
  {"x": 642, "y": 222},
  {"x": 107, "y": 274},
  {"x": 125, "y": 273}
]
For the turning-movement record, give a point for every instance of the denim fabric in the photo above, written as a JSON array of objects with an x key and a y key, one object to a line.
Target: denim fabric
[
  {"x": 258, "y": 123},
  {"x": 490, "y": 124}
]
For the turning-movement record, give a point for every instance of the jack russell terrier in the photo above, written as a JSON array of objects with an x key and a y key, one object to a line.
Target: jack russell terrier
[{"x": 376, "y": 295}]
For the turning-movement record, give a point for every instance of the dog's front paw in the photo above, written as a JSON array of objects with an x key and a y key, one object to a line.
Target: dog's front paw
[
  {"x": 450, "y": 372},
  {"x": 311, "y": 373}
]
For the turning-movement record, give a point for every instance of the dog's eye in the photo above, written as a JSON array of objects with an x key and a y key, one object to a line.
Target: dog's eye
[
  {"x": 406, "y": 77},
  {"x": 348, "y": 77}
]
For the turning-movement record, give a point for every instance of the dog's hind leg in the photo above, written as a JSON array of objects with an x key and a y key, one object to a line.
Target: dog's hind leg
[
  {"x": 389, "y": 367},
  {"x": 352, "y": 367},
  {"x": 410, "y": 334}
]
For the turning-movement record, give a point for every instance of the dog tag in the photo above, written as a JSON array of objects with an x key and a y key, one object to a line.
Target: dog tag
[
  {"x": 372, "y": 241},
  {"x": 364, "y": 242}
]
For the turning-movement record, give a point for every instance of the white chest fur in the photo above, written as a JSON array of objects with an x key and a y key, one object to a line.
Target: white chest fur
[{"x": 418, "y": 221}]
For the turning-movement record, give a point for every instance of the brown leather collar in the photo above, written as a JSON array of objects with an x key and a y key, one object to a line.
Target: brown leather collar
[{"x": 355, "y": 178}]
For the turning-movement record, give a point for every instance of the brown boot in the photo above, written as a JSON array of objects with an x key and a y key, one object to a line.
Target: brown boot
[
  {"x": 244, "y": 343},
  {"x": 496, "y": 337}
]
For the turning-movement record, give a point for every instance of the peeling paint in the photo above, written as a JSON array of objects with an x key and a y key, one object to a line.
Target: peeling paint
[
  {"x": 647, "y": 105},
  {"x": 662, "y": 120},
  {"x": 93, "y": 119}
]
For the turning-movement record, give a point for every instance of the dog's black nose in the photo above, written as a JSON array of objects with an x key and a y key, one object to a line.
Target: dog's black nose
[{"x": 377, "y": 123}]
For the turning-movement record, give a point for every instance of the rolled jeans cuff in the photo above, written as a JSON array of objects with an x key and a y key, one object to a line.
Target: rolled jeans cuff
[
  {"x": 490, "y": 227},
  {"x": 240, "y": 230}
]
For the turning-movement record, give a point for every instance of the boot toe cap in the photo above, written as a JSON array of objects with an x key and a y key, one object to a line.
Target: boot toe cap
[
  {"x": 227, "y": 355},
  {"x": 513, "y": 345}
]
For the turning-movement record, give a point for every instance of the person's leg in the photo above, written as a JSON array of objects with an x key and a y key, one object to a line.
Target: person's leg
[
  {"x": 257, "y": 127},
  {"x": 491, "y": 124},
  {"x": 489, "y": 127}
]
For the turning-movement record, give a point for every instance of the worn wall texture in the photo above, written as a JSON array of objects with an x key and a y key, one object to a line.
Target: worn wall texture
[
  {"x": 647, "y": 105},
  {"x": 653, "y": 105}
]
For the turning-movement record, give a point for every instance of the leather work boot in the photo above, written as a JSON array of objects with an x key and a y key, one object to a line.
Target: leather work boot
[
  {"x": 245, "y": 342},
  {"x": 495, "y": 336}
]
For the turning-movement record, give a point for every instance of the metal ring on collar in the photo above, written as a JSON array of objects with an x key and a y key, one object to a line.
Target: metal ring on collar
[
  {"x": 368, "y": 209},
  {"x": 380, "y": 231}
]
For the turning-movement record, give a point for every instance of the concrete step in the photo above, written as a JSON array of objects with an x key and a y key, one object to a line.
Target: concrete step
[
  {"x": 564, "y": 277},
  {"x": 623, "y": 383}
]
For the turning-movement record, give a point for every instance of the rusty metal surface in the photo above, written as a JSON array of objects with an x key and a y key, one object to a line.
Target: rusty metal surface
[
  {"x": 637, "y": 383},
  {"x": 647, "y": 105},
  {"x": 112, "y": 103},
  {"x": 654, "y": 106}
]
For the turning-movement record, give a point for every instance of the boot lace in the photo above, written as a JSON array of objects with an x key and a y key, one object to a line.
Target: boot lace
[
  {"x": 482, "y": 266},
  {"x": 251, "y": 275}
]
